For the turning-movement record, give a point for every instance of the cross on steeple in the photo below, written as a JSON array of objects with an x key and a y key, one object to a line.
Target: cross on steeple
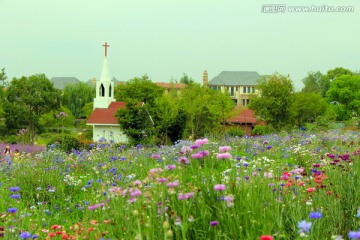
[{"x": 106, "y": 46}]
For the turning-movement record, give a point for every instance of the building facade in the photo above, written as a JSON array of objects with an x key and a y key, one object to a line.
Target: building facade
[{"x": 241, "y": 85}]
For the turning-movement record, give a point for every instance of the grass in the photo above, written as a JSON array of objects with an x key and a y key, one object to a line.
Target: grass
[{"x": 264, "y": 186}]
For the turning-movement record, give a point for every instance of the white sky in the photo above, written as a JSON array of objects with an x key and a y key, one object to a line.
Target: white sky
[{"x": 166, "y": 38}]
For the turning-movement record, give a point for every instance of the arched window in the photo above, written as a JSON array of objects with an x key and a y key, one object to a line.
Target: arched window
[
  {"x": 102, "y": 91},
  {"x": 110, "y": 90}
]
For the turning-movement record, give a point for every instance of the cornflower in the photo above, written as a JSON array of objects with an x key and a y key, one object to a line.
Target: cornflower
[
  {"x": 219, "y": 187},
  {"x": 14, "y": 189},
  {"x": 315, "y": 215},
  {"x": 214, "y": 223},
  {"x": 170, "y": 167},
  {"x": 304, "y": 226}
]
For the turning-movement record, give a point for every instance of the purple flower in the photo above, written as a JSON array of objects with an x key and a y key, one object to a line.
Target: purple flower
[
  {"x": 12, "y": 210},
  {"x": 224, "y": 149},
  {"x": 135, "y": 193},
  {"x": 354, "y": 235},
  {"x": 161, "y": 180},
  {"x": 197, "y": 155},
  {"x": 214, "y": 223},
  {"x": 315, "y": 215},
  {"x": 219, "y": 187},
  {"x": 189, "y": 195},
  {"x": 14, "y": 189}
]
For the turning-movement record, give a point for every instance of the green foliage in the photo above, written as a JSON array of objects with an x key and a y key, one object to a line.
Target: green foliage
[
  {"x": 88, "y": 109},
  {"x": 186, "y": 79},
  {"x": 65, "y": 142},
  {"x": 307, "y": 106},
  {"x": 27, "y": 98},
  {"x": 316, "y": 82},
  {"x": 345, "y": 90},
  {"x": 52, "y": 120},
  {"x": 235, "y": 132},
  {"x": 274, "y": 104},
  {"x": 76, "y": 96},
  {"x": 261, "y": 130}
]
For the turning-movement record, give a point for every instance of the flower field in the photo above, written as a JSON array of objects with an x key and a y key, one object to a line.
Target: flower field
[{"x": 272, "y": 187}]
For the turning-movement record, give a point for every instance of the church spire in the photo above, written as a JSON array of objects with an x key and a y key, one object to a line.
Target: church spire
[{"x": 105, "y": 86}]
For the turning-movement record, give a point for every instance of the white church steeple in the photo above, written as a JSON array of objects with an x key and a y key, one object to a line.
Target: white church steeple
[{"x": 104, "y": 87}]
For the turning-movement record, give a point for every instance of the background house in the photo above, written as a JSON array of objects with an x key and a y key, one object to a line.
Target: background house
[{"x": 240, "y": 85}]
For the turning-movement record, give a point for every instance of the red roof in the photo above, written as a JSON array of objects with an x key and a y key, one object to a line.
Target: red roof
[
  {"x": 106, "y": 115},
  {"x": 170, "y": 85},
  {"x": 244, "y": 116}
]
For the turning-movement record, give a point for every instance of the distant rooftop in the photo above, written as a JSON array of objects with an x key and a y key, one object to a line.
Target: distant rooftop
[
  {"x": 60, "y": 82},
  {"x": 233, "y": 78}
]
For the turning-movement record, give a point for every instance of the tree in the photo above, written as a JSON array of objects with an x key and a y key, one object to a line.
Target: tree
[
  {"x": 140, "y": 89},
  {"x": 312, "y": 82},
  {"x": 274, "y": 104},
  {"x": 167, "y": 111},
  {"x": 186, "y": 79},
  {"x": 77, "y": 96},
  {"x": 205, "y": 110},
  {"x": 345, "y": 90},
  {"x": 307, "y": 106},
  {"x": 27, "y": 98},
  {"x": 3, "y": 84},
  {"x": 137, "y": 122}
]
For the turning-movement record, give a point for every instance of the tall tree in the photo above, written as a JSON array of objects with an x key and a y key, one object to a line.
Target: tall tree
[
  {"x": 77, "y": 96},
  {"x": 345, "y": 90},
  {"x": 274, "y": 104},
  {"x": 27, "y": 98},
  {"x": 312, "y": 82},
  {"x": 307, "y": 106},
  {"x": 186, "y": 79},
  {"x": 3, "y": 84}
]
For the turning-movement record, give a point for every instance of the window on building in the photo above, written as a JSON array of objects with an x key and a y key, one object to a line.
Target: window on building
[
  {"x": 247, "y": 101},
  {"x": 253, "y": 89},
  {"x": 235, "y": 102},
  {"x": 243, "y": 102},
  {"x": 232, "y": 91},
  {"x": 237, "y": 89},
  {"x": 248, "y": 89},
  {"x": 244, "y": 89}
]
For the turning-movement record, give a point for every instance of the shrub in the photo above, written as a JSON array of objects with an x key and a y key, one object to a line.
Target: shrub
[
  {"x": 261, "y": 130},
  {"x": 235, "y": 132},
  {"x": 65, "y": 142}
]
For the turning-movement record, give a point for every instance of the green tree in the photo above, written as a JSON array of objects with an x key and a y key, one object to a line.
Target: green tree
[
  {"x": 52, "y": 122},
  {"x": 136, "y": 120},
  {"x": 204, "y": 110},
  {"x": 140, "y": 89},
  {"x": 307, "y": 106},
  {"x": 312, "y": 82},
  {"x": 345, "y": 91},
  {"x": 3, "y": 84},
  {"x": 275, "y": 103},
  {"x": 77, "y": 96},
  {"x": 186, "y": 79},
  {"x": 167, "y": 111},
  {"x": 27, "y": 98}
]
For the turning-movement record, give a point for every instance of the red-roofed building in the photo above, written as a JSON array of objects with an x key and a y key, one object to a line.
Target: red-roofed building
[
  {"x": 105, "y": 124},
  {"x": 246, "y": 119}
]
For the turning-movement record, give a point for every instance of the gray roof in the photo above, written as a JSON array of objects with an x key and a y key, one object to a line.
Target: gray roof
[
  {"x": 60, "y": 82},
  {"x": 116, "y": 82},
  {"x": 236, "y": 78}
]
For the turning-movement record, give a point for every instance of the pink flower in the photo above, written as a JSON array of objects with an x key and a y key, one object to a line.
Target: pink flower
[
  {"x": 224, "y": 149},
  {"x": 155, "y": 156},
  {"x": 201, "y": 141},
  {"x": 173, "y": 184},
  {"x": 223, "y": 155},
  {"x": 189, "y": 195},
  {"x": 310, "y": 189},
  {"x": 185, "y": 150},
  {"x": 135, "y": 193},
  {"x": 183, "y": 160},
  {"x": 170, "y": 167},
  {"x": 161, "y": 180},
  {"x": 219, "y": 187},
  {"x": 181, "y": 196}
]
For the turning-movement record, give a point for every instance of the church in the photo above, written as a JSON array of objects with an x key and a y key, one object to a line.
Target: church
[{"x": 105, "y": 124}]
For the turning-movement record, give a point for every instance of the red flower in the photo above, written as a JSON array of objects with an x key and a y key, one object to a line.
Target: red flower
[
  {"x": 310, "y": 189},
  {"x": 51, "y": 234},
  {"x": 264, "y": 237}
]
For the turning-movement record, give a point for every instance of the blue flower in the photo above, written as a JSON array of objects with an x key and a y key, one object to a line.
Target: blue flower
[
  {"x": 315, "y": 215},
  {"x": 14, "y": 189},
  {"x": 12, "y": 210},
  {"x": 15, "y": 196},
  {"x": 25, "y": 235},
  {"x": 304, "y": 226},
  {"x": 354, "y": 235}
]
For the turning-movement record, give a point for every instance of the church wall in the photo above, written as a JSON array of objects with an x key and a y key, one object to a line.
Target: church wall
[{"x": 109, "y": 133}]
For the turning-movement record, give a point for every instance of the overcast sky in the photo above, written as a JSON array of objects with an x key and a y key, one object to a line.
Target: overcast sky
[{"x": 166, "y": 38}]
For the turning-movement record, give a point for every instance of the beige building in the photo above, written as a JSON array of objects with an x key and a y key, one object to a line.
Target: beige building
[{"x": 241, "y": 85}]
